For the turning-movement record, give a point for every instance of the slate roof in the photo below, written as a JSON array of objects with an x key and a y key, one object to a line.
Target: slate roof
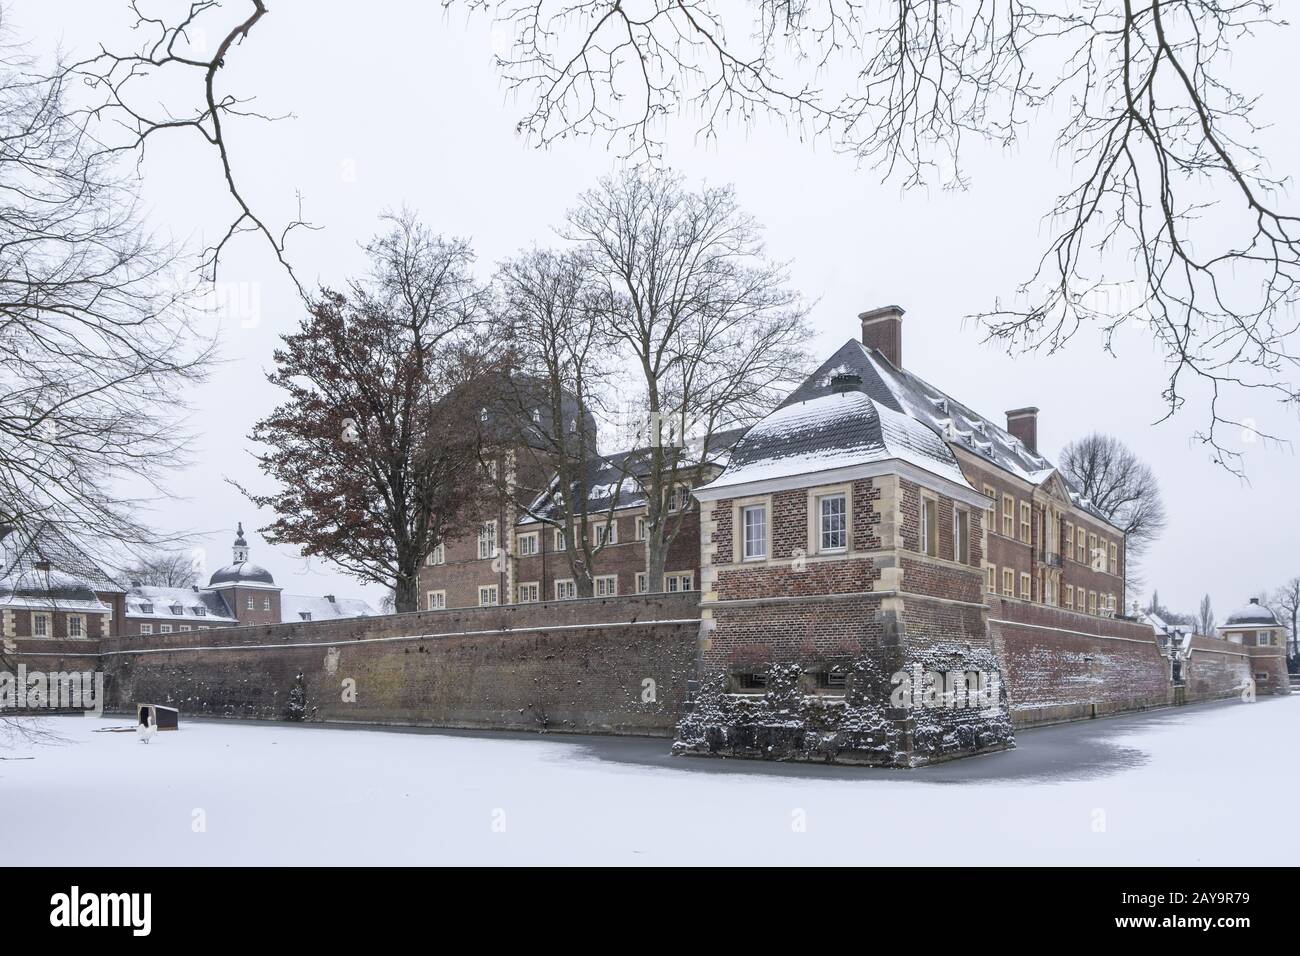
[
  {"x": 71, "y": 581},
  {"x": 612, "y": 479},
  {"x": 835, "y": 430},
  {"x": 242, "y": 572},
  {"x": 294, "y": 606},
  {"x": 901, "y": 391},
  {"x": 1253, "y": 613},
  {"x": 164, "y": 602}
]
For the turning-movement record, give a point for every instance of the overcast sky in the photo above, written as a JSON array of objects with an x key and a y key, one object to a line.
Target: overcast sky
[{"x": 395, "y": 104}]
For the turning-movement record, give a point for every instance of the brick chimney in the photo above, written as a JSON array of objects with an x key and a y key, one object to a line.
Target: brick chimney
[
  {"x": 1023, "y": 423},
  {"x": 882, "y": 330}
]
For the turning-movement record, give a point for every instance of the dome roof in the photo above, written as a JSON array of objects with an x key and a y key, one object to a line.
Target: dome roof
[
  {"x": 242, "y": 572},
  {"x": 1253, "y": 613}
]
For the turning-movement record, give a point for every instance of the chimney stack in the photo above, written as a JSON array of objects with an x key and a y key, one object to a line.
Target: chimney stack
[
  {"x": 882, "y": 330},
  {"x": 1023, "y": 423}
]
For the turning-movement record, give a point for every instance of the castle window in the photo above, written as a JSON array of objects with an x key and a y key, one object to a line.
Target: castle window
[
  {"x": 1092, "y": 602},
  {"x": 960, "y": 535},
  {"x": 559, "y": 540},
  {"x": 146, "y": 608},
  {"x": 607, "y": 585},
  {"x": 751, "y": 681},
  {"x": 833, "y": 522},
  {"x": 992, "y": 575},
  {"x": 642, "y": 582},
  {"x": 1081, "y": 551},
  {"x": 437, "y": 600},
  {"x": 176, "y": 609},
  {"x": 266, "y": 604},
  {"x": 1025, "y": 513},
  {"x": 529, "y": 593},
  {"x": 1009, "y": 582},
  {"x": 76, "y": 625},
  {"x": 1069, "y": 539},
  {"x": 1025, "y": 586},
  {"x": 1069, "y": 596},
  {"x": 1008, "y": 516},
  {"x": 487, "y": 540},
  {"x": 200, "y": 610},
  {"x": 528, "y": 544},
  {"x": 164, "y": 628},
  {"x": 1114, "y": 558},
  {"x": 989, "y": 516},
  {"x": 1097, "y": 561},
  {"x": 146, "y": 629},
  {"x": 607, "y": 533},
  {"x": 565, "y": 590},
  {"x": 186, "y": 627},
  {"x": 438, "y": 555},
  {"x": 40, "y": 625},
  {"x": 679, "y": 582},
  {"x": 929, "y": 527},
  {"x": 833, "y": 679},
  {"x": 304, "y": 615},
  {"x": 755, "y": 532},
  {"x": 487, "y": 596},
  {"x": 249, "y": 603},
  {"x": 640, "y": 528}
]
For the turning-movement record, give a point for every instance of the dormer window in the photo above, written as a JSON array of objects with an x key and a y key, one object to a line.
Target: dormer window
[
  {"x": 305, "y": 615},
  {"x": 177, "y": 609},
  {"x": 200, "y": 610},
  {"x": 146, "y": 608}
]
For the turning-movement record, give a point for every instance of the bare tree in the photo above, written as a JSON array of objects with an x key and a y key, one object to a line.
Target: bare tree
[
  {"x": 711, "y": 336},
  {"x": 560, "y": 368},
  {"x": 1287, "y": 601},
  {"x": 164, "y": 569},
  {"x": 1205, "y": 617},
  {"x": 98, "y": 339},
  {"x": 375, "y": 450},
  {"x": 1122, "y": 487}
]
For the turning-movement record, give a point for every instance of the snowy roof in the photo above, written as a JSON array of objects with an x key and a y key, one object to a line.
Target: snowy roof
[
  {"x": 1253, "y": 613},
  {"x": 327, "y": 608},
  {"x": 43, "y": 568},
  {"x": 901, "y": 391},
  {"x": 241, "y": 572},
  {"x": 831, "y": 431},
  {"x": 173, "y": 604},
  {"x": 612, "y": 480}
]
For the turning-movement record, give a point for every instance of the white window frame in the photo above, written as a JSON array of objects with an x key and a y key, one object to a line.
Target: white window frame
[
  {"x": 530, "y": 592},
  {"x": 823, "y": 531},
  {"x": 266, "y": 604},
  {"x": 438, "y": 555},
  {"x": 183, "y": 627},
  {"x": 566, "y": 589},
  {"x": 47, "y": 630},
  {"x": 960, "y": 536},
  {"x": 679, "y": 581},
  {"x": 559, "y": 539},
  {"x": 487, "y": 540},
  {"x": 641, "y": 528},
  {"x": 929, "y": 505},
  {"x": 437, "y": 600},
  {"x": 164, "y": 628},
  {"x": 1069, "y": 597},
  {"x": 79, "y": 624},
  {"x": 642, "y": 582},
  {"x": 1026, "y": 522},
  {"x": 146, "y": 630},
  {"x": 1026, "y": 586},
  {"x": 991, "y": 584},
  {"x": 491, "y": 592},
  {"x": 605, "y": 585},
  {"x": 606, "y": 532},
  {"x": 248, "y": 605},
  {"x": 745, "y": 555},
  {"x": 528, "y": 543},
  {"x": 1008, "y": 575},
  {"x": 1008, "y": 516}
]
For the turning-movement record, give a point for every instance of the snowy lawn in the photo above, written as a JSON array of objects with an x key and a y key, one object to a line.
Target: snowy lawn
[{"x": 1179, "y": 786}]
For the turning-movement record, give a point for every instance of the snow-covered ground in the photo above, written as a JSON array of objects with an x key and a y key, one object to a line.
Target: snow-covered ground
[{"x": 1196, "y": 785}]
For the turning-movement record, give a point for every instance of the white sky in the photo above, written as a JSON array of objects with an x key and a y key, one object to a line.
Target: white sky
[{"x": 396, "y": 104}]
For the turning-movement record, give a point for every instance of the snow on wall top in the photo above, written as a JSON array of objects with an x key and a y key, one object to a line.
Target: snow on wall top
[{"x": 835, "y": 431}]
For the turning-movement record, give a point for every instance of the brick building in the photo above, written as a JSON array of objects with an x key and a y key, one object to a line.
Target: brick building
[
  {"x": 860, "y": 532},
  {"x": 517, "y": 555},
  {"x": 50, "y": 588},
  {"x": 241, "y": 593}
]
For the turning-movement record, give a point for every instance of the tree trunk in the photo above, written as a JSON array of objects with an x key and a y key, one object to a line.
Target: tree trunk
[{"x": 406, "y": 592}]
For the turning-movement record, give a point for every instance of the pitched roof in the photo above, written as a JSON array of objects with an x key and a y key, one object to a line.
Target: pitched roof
[
  {"x": 835, "y": 430},
  {"x": 45, "y": 568},
  {"x": 177, "y": 604},
  {"x": 294, "y": 606},
  {"x": 904, "y": 392}
]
